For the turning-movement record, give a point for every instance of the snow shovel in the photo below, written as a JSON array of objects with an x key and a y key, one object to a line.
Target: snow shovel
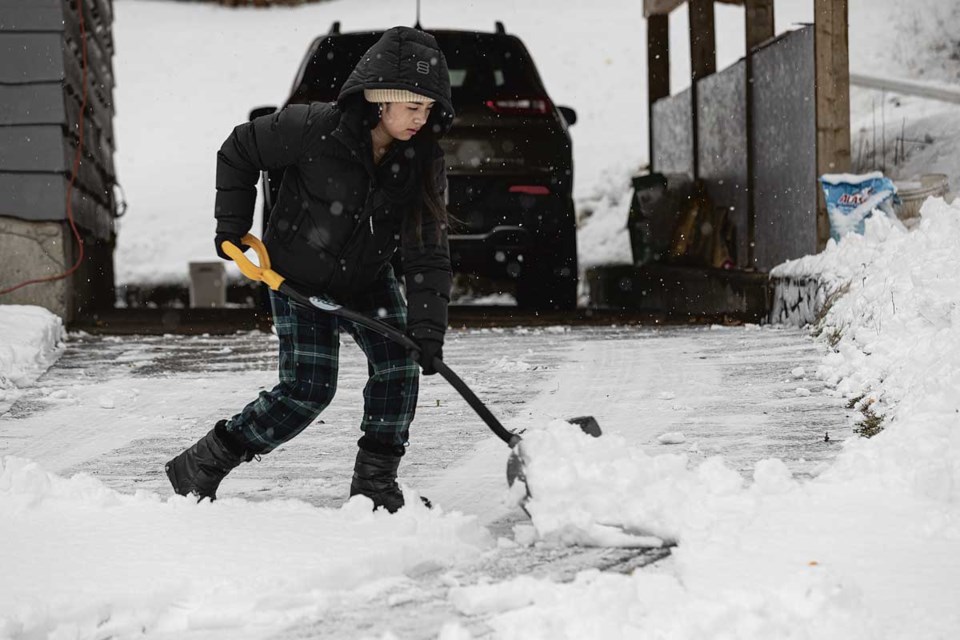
[{"x": 263, "y": 273}]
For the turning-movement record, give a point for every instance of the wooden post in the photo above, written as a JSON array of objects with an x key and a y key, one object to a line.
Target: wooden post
[
  {"x": 658, "y": 67},
  {"x": 703, "y": 43},
  {"x": 759, "y": 22},
  {"x": 758, "y": 15},
  {"x": 833, "y": 99},
  {"x": 703, "y": 62}
]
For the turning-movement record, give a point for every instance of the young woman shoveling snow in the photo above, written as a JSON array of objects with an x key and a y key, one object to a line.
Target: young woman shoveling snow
[{"x": 364, "y": 178}]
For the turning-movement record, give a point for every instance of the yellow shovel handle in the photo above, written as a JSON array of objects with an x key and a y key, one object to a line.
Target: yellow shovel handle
[{"x": 263, "y": 272}]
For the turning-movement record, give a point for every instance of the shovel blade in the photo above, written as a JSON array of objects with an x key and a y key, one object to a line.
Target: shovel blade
[{"x": 515, "y": 468}]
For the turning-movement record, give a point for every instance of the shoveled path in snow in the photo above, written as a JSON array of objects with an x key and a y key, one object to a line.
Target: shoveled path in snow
[{"x": 118, "y": 408}]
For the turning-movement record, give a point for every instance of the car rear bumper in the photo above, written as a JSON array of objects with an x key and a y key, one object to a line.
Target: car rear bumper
[{"x": 498, "y": 253}]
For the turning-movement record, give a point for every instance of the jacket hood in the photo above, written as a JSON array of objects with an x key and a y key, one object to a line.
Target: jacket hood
[{"x": 404, "y": 58}]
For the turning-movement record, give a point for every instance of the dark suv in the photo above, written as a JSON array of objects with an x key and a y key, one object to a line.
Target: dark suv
[{"x": 509, "y": 159}]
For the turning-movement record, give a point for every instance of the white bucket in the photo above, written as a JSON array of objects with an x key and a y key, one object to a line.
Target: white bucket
[{"x": 913, "y": 193}]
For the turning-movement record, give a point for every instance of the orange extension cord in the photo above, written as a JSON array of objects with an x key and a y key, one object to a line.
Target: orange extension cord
[{"x": 76, "y": 168}]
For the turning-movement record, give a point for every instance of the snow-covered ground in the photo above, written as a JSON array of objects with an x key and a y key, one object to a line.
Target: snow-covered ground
[
  {"x": 713, "y": 437},
  {"x": 115, "y": 409},
  {"x": 777, "y": 533}
]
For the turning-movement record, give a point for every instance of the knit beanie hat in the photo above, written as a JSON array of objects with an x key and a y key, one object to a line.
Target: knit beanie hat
[{"x": 394, "y": 95}]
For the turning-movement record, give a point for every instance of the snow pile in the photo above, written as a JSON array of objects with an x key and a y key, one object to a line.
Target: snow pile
[
  {"x": 602, "y": 236},
  {"x": 233, "y": 569},
  {"x": 30, "y": 341},
  {"x": 868, "y": 549},
  {"x": 590, "y": 491},
  {"x": 612, "y": 606},
  {"x": 897, "y": 333},
  {"x": 841, "y": 263}
]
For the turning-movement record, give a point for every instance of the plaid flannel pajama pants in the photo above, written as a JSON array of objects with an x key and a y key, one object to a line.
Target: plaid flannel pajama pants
[{"x": 309, "y": 354}]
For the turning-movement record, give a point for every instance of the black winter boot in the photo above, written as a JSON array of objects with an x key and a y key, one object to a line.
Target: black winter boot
[
  {"x": 199, "y": 469},
  {"x": 375, "y": 476}
]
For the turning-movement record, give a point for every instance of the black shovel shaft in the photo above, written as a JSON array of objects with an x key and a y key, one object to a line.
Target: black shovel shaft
[
  {"x": 404, "y": 340},
  {"x": 509, "y": 437}
]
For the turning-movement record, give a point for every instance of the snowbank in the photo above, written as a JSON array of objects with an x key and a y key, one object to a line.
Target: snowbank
[
  {"x": 602, "y": 237},
  {"x": 30, "y": 341},
  {"x": 897, "y": 333},
  {"x": 81, "y": 560},
  {"x": 869, "y": 549}
]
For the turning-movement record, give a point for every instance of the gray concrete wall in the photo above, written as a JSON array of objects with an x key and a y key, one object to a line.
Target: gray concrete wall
[
  {"x": 673, "y": 135},
  {"x": 785, "y": 162},
  {"x": 722, "y": 123},
  {"x": 34, "y": 250},
  {"x": 799, "y": 301}
]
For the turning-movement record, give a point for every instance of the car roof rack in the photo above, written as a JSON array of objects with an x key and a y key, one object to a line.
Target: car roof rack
[
  {"x": 335, "y": 28},
  {"x": 500, "y": 27}
]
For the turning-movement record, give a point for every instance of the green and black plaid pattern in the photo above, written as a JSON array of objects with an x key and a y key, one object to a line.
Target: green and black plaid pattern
[{"x": 309, "y": 358}]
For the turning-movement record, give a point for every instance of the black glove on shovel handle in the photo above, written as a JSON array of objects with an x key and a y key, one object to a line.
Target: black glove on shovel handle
[
  {"x": 263, "y": 273},
  {"x": 233, "y": 239},
  {"x": 427, "y": 351}
]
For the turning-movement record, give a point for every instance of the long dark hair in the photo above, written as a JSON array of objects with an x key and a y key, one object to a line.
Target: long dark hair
[
  {"x": 430, "y": 202},
  {"x": 423, "y": 198}
]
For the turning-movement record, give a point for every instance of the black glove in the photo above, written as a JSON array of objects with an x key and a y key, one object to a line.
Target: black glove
[
  {"x": 429, "y": 349},
  {"x": 232, "y": 237}
]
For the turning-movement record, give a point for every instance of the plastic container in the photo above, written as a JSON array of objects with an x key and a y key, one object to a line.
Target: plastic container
[
  {"x": 913, "y": 193},
  {"x": 208, "y": 284},
  {"x": 658, "y": 199}
]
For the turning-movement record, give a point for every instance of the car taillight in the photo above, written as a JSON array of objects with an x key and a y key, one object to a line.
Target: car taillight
[
  {"x": 530, "y": 189},
  {"x": 520, "y": 106}
]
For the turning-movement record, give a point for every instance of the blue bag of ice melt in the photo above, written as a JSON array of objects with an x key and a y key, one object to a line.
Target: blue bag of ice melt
[{"x": 851, "y": 199}]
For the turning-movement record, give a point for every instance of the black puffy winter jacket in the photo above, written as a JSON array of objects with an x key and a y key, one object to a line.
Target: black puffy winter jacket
[{"x": 339, "y": 218}]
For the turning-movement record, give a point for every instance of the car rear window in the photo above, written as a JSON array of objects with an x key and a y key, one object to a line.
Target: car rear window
[{"x": 482, "y": 66}]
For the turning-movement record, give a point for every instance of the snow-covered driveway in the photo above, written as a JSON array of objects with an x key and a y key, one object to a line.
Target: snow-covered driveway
[{"x": 118, "y": 408}]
